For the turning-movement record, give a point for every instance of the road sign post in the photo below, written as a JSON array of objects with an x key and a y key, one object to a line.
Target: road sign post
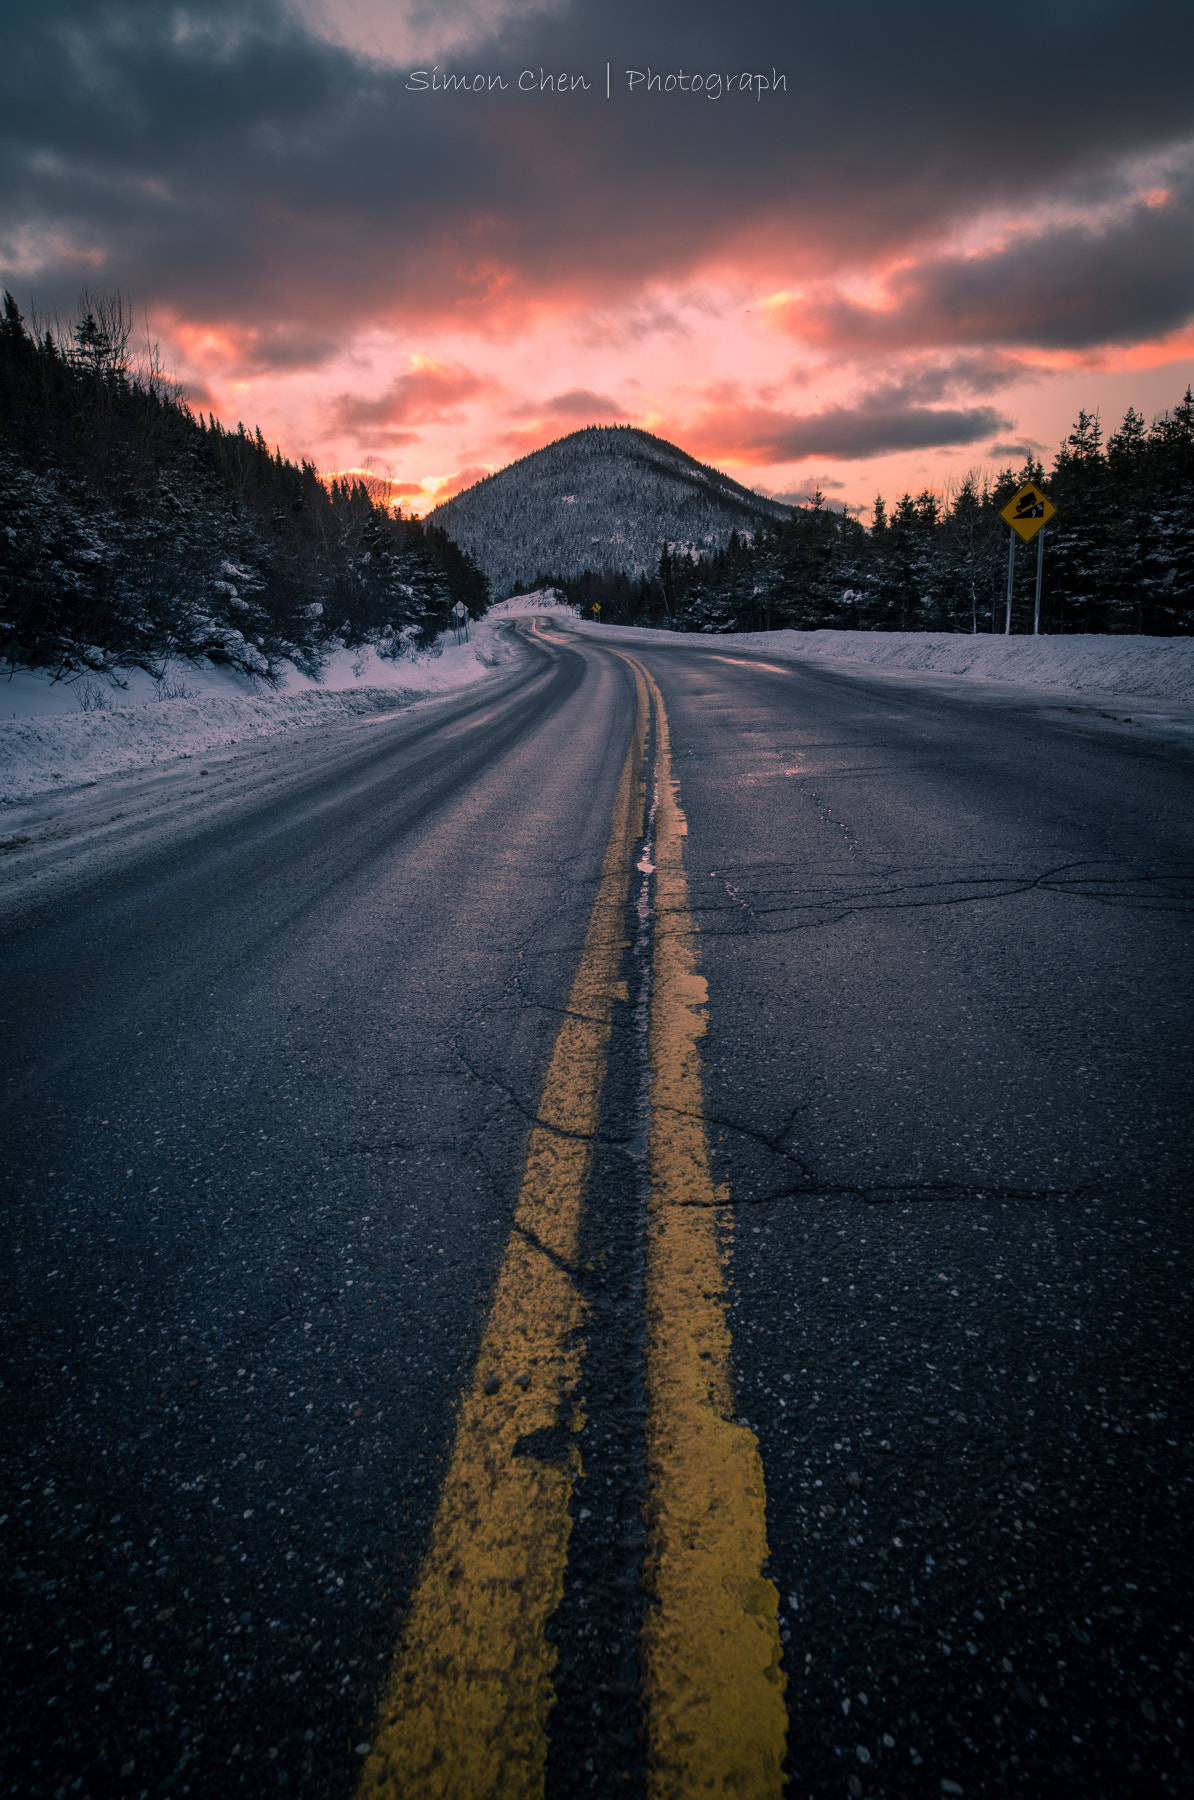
[
  {"x": 460, "y": 612},
  {"x": 1040, "y": 565},
  {"x": 1011, "y": 577},
  {"x": 1027, "y": 513}
]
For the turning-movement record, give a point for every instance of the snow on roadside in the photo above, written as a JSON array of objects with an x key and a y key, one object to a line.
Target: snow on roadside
[
  {"x": 48, "y": 744},
  {"x": 1160, "y": 669},
  {"x": 541, "y": 601}
]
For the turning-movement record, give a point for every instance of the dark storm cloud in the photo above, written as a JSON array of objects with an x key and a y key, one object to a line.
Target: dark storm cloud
[
  {"x": 255, "y": 350},
  {"x": 1069, "y": 288},
  {"x": 922, "y": 383},
  {"x": 759, "y": 435},
  {"x": 221, "y": 161}
]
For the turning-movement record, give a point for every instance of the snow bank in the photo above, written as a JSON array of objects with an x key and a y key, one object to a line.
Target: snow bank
[
  {"x": 48, "y": 744},
  {"x": 541, "y": 601},
  {"x": 1159, "y": 669}
]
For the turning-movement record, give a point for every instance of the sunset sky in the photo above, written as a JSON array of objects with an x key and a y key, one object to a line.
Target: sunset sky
[{"x": 944, "y": 232}]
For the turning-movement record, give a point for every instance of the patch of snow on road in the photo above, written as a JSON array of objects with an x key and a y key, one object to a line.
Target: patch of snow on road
[{"x": 58, "y": 736}]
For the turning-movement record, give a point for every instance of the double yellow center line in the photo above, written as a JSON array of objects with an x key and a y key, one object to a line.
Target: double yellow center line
[{"x": 464, "y": 1716}]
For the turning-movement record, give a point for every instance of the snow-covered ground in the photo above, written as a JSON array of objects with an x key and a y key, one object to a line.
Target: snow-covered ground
[
  {"x": 1154, "y": 669},
  {"x": 543, "y": 600},
  {"x": 56, "y": 737},
  {"x": 59, "y": 736}
]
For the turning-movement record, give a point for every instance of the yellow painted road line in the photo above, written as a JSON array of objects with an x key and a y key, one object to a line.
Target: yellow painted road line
[
  {"x": 717, "y": 1722},
  {"x": 464, "y": 1716}
]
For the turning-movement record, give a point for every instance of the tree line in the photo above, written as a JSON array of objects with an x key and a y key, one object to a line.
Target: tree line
[
  {"x": 1118, "y": 557},
  {"x": 134, "y": 530}
]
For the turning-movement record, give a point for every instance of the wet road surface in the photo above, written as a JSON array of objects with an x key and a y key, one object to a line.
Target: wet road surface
[{"x": 788, "y": 1075}]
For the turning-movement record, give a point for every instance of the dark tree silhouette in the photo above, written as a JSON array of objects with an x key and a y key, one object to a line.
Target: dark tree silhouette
[{"x": 134, "y": 531}]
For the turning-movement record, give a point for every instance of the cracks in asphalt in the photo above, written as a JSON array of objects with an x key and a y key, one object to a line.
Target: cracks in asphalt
[
  {"x": 534, "y": 1118},
  {"x": 771, "y": 1141},
  {"x": 589, "y": 1278},
  {"x": 531, "y": 955},
  {"x": 736, "y": 897},
  {"x": 562, "y": 1263},
  {"x": 596, "y": 1741},
  {"x": 1150, "y": 889},
  {"x": 1095, "y": 888},
  {"x": 811, "y": 1188},
  {"x": 553, "y": 1010}
]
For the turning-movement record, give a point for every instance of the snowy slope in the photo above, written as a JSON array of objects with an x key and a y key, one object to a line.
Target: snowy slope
[
  {"x": 607, "y": 497},
  {"x": 49, "y": 745}
]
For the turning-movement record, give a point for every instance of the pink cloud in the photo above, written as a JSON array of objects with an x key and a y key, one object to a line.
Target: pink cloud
[
  {"x": 578, "y": 404},
  {"x": 428, "y": 394}
]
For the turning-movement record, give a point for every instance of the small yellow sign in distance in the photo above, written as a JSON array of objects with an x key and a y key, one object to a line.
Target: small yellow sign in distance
[{"x": 1028, "y": 511}]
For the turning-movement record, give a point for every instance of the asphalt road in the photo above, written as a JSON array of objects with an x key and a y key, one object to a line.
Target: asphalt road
[{"x": 271, "y": 1078}]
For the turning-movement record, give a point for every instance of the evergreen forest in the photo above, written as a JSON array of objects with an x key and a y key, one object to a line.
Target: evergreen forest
[
  {"x": 132, "y": 530},
  {"x": 1118, "y": 556}
]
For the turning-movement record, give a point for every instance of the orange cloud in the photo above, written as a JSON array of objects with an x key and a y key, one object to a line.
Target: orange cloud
[
  {"x": 437, "y": 489},
  {"x": 520, "y": 440}
]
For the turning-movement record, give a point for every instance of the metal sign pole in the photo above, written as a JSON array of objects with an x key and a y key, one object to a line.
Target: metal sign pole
[
  {"x": 1011, "y": 576},
  {"x": 1027, "y": 513},
  {"x": 1040, "y": 564}
]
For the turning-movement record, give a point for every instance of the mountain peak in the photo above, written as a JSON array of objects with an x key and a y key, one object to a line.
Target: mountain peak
[{"x": 604, "y": 497}]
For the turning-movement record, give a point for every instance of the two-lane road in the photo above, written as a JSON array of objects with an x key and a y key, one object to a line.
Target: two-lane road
[{"x": 626, "y": 1231}]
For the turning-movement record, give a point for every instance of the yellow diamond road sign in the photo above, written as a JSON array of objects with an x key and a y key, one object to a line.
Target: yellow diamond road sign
[{"x": 1028, "y": 511}]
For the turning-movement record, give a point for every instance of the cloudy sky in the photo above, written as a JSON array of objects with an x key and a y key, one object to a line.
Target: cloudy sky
[{"x": 857, "y": 245}]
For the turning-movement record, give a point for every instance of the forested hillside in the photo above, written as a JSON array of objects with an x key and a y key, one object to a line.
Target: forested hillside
[
  {"x": 132, "y": 531},
  {"x": 1119, "y": 556},
  {"x": 604, "y": 498}
]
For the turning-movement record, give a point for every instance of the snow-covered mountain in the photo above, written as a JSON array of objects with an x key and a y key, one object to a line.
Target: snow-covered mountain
[{"x": 607, "y": 497}]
